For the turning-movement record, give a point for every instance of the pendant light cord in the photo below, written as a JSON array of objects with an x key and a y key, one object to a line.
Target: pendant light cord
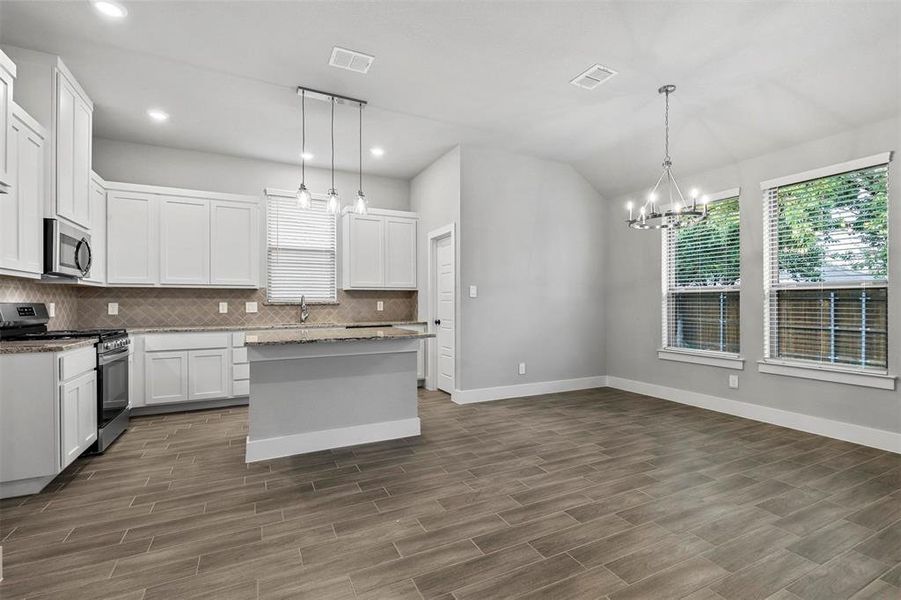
[
  {"x": 361, "y": 148},
  {"x": 666, "y": 159},
  {"x": 333, "y": 142},
  {"x": 303, "y": 136}
]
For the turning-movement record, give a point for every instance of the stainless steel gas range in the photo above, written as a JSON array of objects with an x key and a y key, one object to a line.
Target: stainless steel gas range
[{"x": 28, "y": 321}]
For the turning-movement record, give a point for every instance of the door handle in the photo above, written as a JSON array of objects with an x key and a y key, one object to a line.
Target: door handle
[{"x": 437, "y": 321}]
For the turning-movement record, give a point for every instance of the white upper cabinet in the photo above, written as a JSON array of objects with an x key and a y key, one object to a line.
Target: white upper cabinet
[
  {"x": 184, "y": 241},
  {"x": 132, "y": 238},
  {"x": 171, "y": 237},
  {"x": 49, "y": 92},
  {"x": 234, "y": 244},
  {"x": 379, "y": 250},
  {"x": 98, "y": 230},
  {"x": 7, "y": 76},
  {"x": 21, "y": 209}
]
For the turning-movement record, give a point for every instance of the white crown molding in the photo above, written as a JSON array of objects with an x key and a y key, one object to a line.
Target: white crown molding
[
  {"x": 502, "y": 392},
  {"x": 849, "y": 432},
  {"x": 301, "y": 443}
]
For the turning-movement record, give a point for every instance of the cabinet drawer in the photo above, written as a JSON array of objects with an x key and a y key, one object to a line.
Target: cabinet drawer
[
  {"x": 239, "y": 356},
  {"x": 185, "y": 341},
  {"x": 241, "y": 388},
  {"x": 74, "y": 363},
  {"x": 241, "y": 371}
]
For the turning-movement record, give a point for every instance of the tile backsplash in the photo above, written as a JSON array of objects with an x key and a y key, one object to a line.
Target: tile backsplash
[{"x": 86, "y": 307}]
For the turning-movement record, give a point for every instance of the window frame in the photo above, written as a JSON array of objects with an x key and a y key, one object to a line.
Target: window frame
[
  {"x": 275, "y": 194},
  {"x": 728, "y": 360},
  {"x": 875, "y": 377}
]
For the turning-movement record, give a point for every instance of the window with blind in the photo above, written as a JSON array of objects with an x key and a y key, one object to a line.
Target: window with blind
[
  {"x": 702, "y": 275},
  {"x": 826, "y": 266},
  {"x": 301, "y": 255}
]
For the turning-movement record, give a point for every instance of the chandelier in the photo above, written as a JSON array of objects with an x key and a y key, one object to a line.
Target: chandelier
[{"x": 678, "y": 212}]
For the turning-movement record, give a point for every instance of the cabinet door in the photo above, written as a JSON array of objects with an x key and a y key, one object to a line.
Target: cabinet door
[
  {"x": 400, "y": 253},
  {"x": 98, "y": 232},
  {"x": 165, "y": 377},
  {"x": 184, "y": 241},
  {"x": 73, "y": 154},
  {"x": 234, "y": 244},
  {"x": 21, "y": 209},
  {"x": 6, "y": 100},
  {"x": 367, "y": 251},
  {"x": 77, "y": 416},
  {"x": 208, "y": 374},
  {"x": 132, "y": 245}
]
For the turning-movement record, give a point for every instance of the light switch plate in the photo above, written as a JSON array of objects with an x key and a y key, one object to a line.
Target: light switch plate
[
  {"x": 223, "y": 307},
  {"x": 112, "y": 308},
  {"x": 473, "y": 291},
  {"x": 733, "y": 382},
  {"x": 522, "y": 368},
  {"x": 250, "y": 307},
  {"x": 51, "y": 309},
  {"x": 380, "y": 305}
]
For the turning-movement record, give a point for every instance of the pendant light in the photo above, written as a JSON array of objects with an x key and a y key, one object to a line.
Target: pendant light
[
  {"x": 360, "y": 206},
  {"x": 304, "y": 198},
  {"x": 680, "y": 213},
  {"x": 333, "y": 204}
]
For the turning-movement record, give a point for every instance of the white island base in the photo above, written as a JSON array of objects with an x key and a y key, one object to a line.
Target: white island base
[{"x": 307, "y": 397}]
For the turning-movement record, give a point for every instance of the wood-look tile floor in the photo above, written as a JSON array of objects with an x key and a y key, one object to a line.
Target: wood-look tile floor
[{"x": 594, "y": 494}]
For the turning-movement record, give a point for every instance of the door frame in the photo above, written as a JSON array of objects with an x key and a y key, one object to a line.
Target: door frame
[{"x": 431, "y": 378}]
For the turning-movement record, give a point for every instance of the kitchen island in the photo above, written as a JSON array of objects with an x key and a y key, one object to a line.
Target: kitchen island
[{"x": 322, "y": 388}]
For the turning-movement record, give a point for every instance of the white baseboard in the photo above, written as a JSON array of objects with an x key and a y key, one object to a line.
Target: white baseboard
[
  {"x": 527, "y": 389},
  {"x": 858, "y": 434},
  {"x": 301, "y": 443}
]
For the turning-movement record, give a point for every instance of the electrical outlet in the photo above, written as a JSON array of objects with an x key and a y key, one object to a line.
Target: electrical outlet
[
  {"x": 380, "y": 305},
  {"x": 473, "y": 291},
  {"x": 733, "y": 382},
  {"x": 51, "y": 309},
  {"x": 223, "y": 308},
  {"x": 250, "y": 307},
  {"x": 112, "y": 308},
  {"x": 522, "y": 368}
]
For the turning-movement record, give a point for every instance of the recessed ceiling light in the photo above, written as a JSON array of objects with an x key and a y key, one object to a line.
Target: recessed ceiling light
[
  {"x": 158, "y": 115},
  {"x": 111, "y": 9},
  {"x": 306, "y": 155},
  {"x": 376, "y": 151}
]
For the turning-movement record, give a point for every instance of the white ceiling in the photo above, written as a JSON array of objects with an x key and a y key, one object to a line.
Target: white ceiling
[{"x": 752, "y": 76}]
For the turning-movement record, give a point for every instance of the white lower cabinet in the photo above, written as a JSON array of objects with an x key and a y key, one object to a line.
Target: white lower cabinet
[
  {"x": 77, "y": 416},
  {"x": 208, "y": 374},
  {"x": 189, "y": 367},
  {"x": 166, "y": 377}
]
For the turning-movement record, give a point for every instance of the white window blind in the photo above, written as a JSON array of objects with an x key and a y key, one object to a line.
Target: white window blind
[
  {"x": 302, "y": 248},
  {"x": 826, "y": 269},
  {"x": 702, "y": 280}
]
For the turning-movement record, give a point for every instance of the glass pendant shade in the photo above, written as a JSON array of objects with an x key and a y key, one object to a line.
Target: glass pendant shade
[
  {"x": 360, "y": 206},
  {"x": 333, "y": 202},
  {"x": 304, "y": 198}
]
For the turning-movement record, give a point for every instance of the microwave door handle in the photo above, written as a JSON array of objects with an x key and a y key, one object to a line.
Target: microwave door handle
[{"x": 85, "y": 269}]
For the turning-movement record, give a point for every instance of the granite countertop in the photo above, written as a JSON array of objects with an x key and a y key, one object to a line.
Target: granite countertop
[
  {"x": 25, "y": 346},
  {"x": 199, "y": 328},
  {"x": 268, "y": 337}
]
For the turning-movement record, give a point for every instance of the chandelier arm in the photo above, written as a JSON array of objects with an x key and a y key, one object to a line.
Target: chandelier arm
[
  {"x": 676, "y": 185},
  {"x": 654, "y": 191}
]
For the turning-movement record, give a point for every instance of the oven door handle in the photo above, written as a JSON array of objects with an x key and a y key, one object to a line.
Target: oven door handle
[{"x": 106, "y": 359}]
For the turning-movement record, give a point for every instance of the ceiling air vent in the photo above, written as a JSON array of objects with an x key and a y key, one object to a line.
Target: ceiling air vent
[
  {"x": 593, "y": 76},
  {"x": 350, "y": 60}
]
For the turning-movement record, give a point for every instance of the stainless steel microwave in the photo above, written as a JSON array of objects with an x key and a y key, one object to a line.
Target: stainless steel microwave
[{"x": 67, "y": 250}]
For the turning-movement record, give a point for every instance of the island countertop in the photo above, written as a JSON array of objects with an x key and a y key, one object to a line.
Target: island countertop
[{"x": 267, "y": 337}]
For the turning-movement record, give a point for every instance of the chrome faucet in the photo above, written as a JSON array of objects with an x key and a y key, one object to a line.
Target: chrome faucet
[{"x": 304, "y": 311}]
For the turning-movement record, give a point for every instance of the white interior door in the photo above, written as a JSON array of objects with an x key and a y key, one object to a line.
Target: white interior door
[{"x": 444, "y": 273}]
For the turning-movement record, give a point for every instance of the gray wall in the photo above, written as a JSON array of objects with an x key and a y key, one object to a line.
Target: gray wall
[
  {"x": 634, "y": 291},
  {"x": 533, "y": 242},
  {"x": 435, "y": 195},
  {"x": 156, "y": 165}
]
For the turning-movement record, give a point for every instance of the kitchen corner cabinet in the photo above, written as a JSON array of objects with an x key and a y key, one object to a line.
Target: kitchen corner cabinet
[
  {"x": 379, "y": 250},
  {"x": 167, "y": 237},
  {"x": 7, "y": 78},
  {"x": 21, "y": 208},
  {"x": 50, "y": 93}
]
